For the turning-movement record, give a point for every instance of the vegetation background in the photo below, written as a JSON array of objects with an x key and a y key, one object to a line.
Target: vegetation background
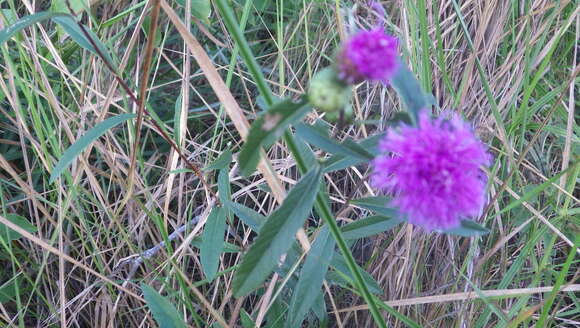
[{"x": 509, "y": 66}]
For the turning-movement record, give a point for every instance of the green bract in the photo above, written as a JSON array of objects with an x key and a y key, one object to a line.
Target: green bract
[{"x": 327, "y": 92}]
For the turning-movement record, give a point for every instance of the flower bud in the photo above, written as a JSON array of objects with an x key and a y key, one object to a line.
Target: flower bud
[{"x": 327, "y": 92}]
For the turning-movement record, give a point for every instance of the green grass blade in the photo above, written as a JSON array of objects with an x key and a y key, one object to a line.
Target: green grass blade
[
  {"x": 25, "y": 22},
  {"x": 71, "y": 27},
  {"x": 83, "y": 142}
]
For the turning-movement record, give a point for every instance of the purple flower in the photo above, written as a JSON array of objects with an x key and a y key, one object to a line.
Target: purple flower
[
  {"x": 433, "y": 171},
  {"x": 368, "y": 55}
]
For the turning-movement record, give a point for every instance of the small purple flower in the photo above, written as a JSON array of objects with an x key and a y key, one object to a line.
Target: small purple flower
[
  {"x": 433, "y": 171},
  {"x": 368, "y": 55}
]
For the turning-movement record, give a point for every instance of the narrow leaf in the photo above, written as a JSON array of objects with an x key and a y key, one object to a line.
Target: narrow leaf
[
  {"x": 311, "y": 278},
  {"x": 163, "y": 311},
  {"x": 319, "y": 310},
  {"x": 76, "y": 148},
  {"x": 212, "y": 244},
  {"x": 221, "y": 162},
  {"x": 340, "y": 162},
  {"x": 342, "y": 275},
  {"x": 225, "y": 190},
  {"x": 228, "y": 247},
  {"x": 409, "y": 90},
  {"x": 9, "y": 288},
  {"x": 319, "y": 138},
  {"x": 251, "y": 218},
  {"x": 25, "y": 22},
  {"x": 266, "y": 129},
  {"x": 182, "y": 170},
  {"x": 71, "y": 27},
  {"x": 8, "y": 234},
  {"x": 468, "y": 228},
  {"x": 369, "y": 226},
  {"x": 277, "y": 234},
  {"x": 201, "y": 9},
  {"x": 61, "y": 5},
  {"x": 377, "y": 204},
  {"x": 246, "y": 319}
]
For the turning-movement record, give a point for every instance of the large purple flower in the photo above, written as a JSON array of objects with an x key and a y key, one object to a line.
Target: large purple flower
[
  {"x": 433, "y": 171},
  {"x": 368, "y": 55}
]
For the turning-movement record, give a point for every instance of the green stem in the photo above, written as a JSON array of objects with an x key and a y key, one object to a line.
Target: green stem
[{"x": 322, "y": 207}]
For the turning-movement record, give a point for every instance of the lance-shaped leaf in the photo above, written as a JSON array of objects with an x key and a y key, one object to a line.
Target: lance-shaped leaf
[
  {"x": 340, "y": 162},
  {"x": 8, "y": 234},
  {"x": 410, "y": 91},
  {"x": 277, "y": 234},
  {"x": 468, "y": 228},
  {"x": 76, "y": 148},
  {"x": 163, "y": 311},
  {"x": 311, "y": 278},
  {"x": 25, "y": 22},
  {"x": 266, "y": 129},
  {"x": 213, "y": 241},
  {"x": 369, "y": 226},
  {"x": 377, "y": 204},
  {"x": 251, "y": 218},
  {"x": 318, "y": 136}
]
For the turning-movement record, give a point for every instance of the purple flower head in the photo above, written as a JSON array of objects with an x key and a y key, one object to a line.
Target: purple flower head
[
  {"x": 368, "y": 55},
  {"x": 433, "y": 171}
]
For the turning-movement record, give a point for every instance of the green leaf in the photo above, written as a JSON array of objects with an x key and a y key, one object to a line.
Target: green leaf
[
  {"x": 266, "y": 129},
  {"x": 225, "y": 190},
  {"x": 182, "y": 170},
  {"x": 8, "y": 289},
  {"x": 369, "y": 226},
  {"x": 251, "y": 218},
  {"x": 71, "y": 27},
  {"x": 319, "y": 310},
  {"x": 76, "y": 148},
  {"x": 311, "y": 278},
  {"x": 61, "y": 6},
  {"x": 25, "y": 22},
  {"x": 409, "y": 90},
  {"x": 400, "y": 118},
  {"x": 228, "y": 247},
  {"x": 177, "y": 118},
  {"x": 377, "y": 204},
  {"x": 277, "y": 234},
  {"x": 343, "y": 276},
  {"x": 213, "y": 242},
  {"x": 318, "y": 136},
  {"x": 468, "y": 228},
  {"x": 340, "y": 162},
  {"x": 8, "y": 234},
  {"x": 163, "y": 311},
  {"x": 201, "y": 9},
  {"x": 221, "y": 162},
  {"x": 246, "y": 319}
]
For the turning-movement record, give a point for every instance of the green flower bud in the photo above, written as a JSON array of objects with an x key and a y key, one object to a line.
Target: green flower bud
[{"x": 327, "y": 92}]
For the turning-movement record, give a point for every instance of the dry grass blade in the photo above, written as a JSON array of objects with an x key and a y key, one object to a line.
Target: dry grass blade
[{"x": 501, "y": 293}]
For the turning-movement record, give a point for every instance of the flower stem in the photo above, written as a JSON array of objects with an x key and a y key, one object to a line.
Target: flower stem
[{"x": 322, "y": 207}]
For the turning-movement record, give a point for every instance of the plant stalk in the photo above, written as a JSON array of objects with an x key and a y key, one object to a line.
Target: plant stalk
[{"x": 322, "y": 207}]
